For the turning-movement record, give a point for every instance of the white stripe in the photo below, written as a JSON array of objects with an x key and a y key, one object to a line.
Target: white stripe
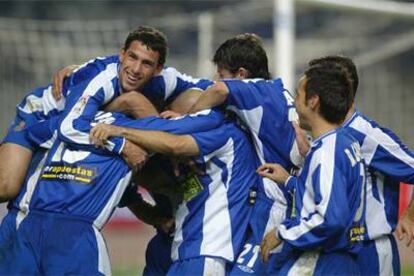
[
  {"x": 170, "y": 80},
  {"x": 104, "y": 264},
  {"x": 273, "y": 191},
  {"x": 72, "y": 156},
  {"x": 214, "y": 267},
  {"x": 276, "y": 215},
  {"x": 252, "y": 80},
  {"x": 295, "y": 155},
  {"x": 50, "y": 103},
  {"x": 170, "y": 76},
  {"x": 375, "y": 137},
  {"x": 203, "y": 112},
  {"x": 86, "y": 63},
  {"x": 217, "y": 234},
  {"x": 49, "y": 143},
  {"x": 180, "y": 216},
  {"x": 102, "y": 80},
  {"x": 305, "y": 265},
  {"x": 57, "y": 156},
  {"x": 253, "y": 119},
  {"x": 33, "y": 104},
  {"x": 325, "y": 157},
  {"x": 113, "y": 201},
  {"x": 31, "y": 185},
  {"x": 375, "y": 216},
  {"x": 44, "y": 103},
  {"x": 384, "y": 251}
]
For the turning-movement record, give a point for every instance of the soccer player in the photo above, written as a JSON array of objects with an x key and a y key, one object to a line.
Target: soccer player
[
  {"x": 53, "y": 226},
  {"x": 159, "y": 177},
  {"x": 390, "y": 162},
  {"x": 212, "y": 220},
  {"x": 139, "y": 66},
  {"x": 267, "y": 110},
  {"x": 327, "y": 222}
]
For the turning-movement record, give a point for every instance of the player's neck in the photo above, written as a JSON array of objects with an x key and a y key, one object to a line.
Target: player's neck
[
  {"x": 319, "y": 127},
  {"x": 350, "y": 112}
]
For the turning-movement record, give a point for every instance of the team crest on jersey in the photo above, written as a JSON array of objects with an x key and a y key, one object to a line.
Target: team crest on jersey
[
  {"x": 75, "y": 173},
  {"x": 192, "y": 187},
  {"x": 356, "y": 233},
  {"x": 81, "y": 103}
]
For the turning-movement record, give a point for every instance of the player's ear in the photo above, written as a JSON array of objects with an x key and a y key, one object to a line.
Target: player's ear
[
  {"x": 242, "y": 73},
  {"x": 313, "y": 102}
]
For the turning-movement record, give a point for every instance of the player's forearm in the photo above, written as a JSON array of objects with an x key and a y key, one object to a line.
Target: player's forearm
[
  {"x": 213, "y": 96},
  {"x": 162, "y": 142},
  {"x": 134, "y": 104}
]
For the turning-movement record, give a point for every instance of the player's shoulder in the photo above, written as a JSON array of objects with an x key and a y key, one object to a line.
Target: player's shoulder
[
  {"x": 332, "y": 141},
  {"x": 362, "y": 125},
  {"x": 94, "y": 67}
]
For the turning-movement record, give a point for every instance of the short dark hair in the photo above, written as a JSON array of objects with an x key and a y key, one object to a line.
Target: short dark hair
[
  {"x": 244, "y": 50},
  {"x": 331, "y": 84},
  {"x": 150, "y": 37},
  {"x": 343, "y": 61}
]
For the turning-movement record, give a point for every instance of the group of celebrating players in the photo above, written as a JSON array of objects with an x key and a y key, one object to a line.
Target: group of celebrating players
[{"x": 246, "y": 178}]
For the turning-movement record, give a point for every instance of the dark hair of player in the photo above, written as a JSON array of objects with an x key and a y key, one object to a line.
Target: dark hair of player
[
  {"x": 150, "y": 37},
  {"x": 331, "y": 83},
  {"x": 345, "y": 62},
  {"x": 244, "y": 50}
]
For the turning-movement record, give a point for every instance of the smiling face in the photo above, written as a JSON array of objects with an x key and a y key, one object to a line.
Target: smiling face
[{"x": 138, "y": 64}]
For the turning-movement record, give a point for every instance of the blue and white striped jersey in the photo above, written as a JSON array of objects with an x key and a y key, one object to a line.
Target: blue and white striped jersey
[
  {"x": 329, "y": 196},
  {"x": 96, "y": 79},
  {"x": 39, "y": 104},
  {"x": 88, "y": 185},
  {"x": 213, "y": 218},
  {"x": 72, "y": 182},
  {"x": 268, "y": 110},
  {"x": 389, "y": 162}
]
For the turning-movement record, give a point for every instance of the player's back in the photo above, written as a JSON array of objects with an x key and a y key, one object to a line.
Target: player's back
[
  {"x": 77, "y": 184},
  {"x": 213, "y": 218},
  {"x": 389, "y": 162},
  {"x": 267, "y": 110}
]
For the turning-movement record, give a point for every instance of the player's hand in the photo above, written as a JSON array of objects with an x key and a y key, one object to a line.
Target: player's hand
[
  {"x": 301, "y": 139},
  {"x": 405, "y": 227},
  {"x": 269, "y": 242},
  {"x": 100, "y": 133},
  {"x": 274, "y": 172},
  {"x": 169, "y": 114},
  {"x": 58, "y": 78},
  {"x": 134, "y": 156}
]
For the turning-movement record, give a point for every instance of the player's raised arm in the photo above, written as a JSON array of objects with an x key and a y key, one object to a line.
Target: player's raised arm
[
  {"x": 214, "y": 95},
  {"x": 158, "y": 141}
]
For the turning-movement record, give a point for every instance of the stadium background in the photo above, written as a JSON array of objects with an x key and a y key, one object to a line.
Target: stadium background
[{"x": 39, "y": 37}]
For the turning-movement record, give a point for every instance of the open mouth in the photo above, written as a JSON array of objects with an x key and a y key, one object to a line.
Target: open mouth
[{"x": 131, "y": 78}]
